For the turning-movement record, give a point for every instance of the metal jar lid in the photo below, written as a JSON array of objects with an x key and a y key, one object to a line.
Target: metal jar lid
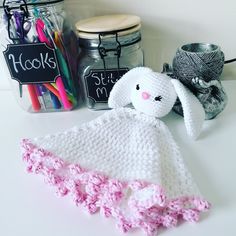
[{"x": 121, "y": 24}]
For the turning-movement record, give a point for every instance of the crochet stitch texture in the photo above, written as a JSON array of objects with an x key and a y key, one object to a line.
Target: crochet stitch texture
[{"x": 125, "y": 164}]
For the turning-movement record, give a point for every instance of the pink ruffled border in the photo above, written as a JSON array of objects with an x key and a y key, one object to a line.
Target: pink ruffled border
[{"x": 96, "y": 191}]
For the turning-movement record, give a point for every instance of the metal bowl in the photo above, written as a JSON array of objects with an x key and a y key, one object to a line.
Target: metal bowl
[{"x": 200, "y": 48}]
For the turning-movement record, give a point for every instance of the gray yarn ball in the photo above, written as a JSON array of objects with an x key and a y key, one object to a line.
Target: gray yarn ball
[
  {"x": 200, "y": 60},
  {"x": 199, "y": 66}
]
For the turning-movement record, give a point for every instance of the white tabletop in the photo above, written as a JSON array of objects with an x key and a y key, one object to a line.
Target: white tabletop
[{"x": 28, "y": 207}]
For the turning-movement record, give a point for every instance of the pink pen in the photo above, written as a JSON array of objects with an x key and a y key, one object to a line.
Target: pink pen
[{"x": 61, "y": 89}]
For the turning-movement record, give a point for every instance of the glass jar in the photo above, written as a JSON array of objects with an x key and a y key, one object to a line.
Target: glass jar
[
  {"x": 39, "y": 54},
  {"x": 109, "y": 47}
]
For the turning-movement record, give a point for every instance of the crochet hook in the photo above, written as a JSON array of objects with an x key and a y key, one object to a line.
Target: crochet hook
[
  {"x": 42, "y": 38},
  {"x": 62, "y": 61},
  {"x": 52, "y": 88},
  {"x": 31, "y": 89},
  {"x": 61, "y": 55}
]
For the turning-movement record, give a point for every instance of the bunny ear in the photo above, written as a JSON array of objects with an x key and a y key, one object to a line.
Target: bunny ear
[
  {"x": 121, "y": 91},
  {"x": 194, "y": 113}
]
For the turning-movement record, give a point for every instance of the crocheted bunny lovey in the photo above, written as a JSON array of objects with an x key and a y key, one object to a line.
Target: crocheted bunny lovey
[{"x": 125, "y": 163}]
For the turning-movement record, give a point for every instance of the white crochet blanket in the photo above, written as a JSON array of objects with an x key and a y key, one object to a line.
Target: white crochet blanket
[{"x": 124, "y": 163}]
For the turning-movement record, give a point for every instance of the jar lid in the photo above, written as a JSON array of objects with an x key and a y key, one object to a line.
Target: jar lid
[{"x": 123, "y": 24}]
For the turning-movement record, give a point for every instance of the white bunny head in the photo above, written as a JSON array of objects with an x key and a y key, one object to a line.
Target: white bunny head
[{"x": 155, "y": 94}]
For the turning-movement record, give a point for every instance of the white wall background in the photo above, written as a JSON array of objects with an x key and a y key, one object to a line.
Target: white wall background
[{"x": 167, "y": 25}]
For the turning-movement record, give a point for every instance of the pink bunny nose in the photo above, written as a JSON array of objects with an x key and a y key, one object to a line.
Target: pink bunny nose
[{"x": 145, "y": 95}]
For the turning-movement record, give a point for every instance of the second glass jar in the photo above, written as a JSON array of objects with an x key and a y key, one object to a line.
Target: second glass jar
[{"x": 108, "y": 49}]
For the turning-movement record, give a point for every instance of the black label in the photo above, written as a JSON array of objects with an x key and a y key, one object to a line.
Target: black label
[
  {"x": 99, "y": 84},
  {"x": 32, "y": 63}
]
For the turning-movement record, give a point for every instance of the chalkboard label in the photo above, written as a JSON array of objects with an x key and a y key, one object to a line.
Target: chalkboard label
[
  {"x": 32, "y": 63},
  {"x": 99, "y": 84}
]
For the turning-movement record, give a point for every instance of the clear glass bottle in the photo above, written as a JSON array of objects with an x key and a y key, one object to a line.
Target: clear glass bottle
[
  {"x": 105, "y": 57},
  {"x": 39, "y": 54}
]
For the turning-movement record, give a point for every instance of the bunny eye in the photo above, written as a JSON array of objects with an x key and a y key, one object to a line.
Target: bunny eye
[
  {"x": 137, "y": 87},
  {"x": 159, "y": 98}
]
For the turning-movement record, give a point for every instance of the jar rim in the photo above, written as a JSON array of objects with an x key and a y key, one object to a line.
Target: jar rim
[{"x": 111, "y": 40}]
